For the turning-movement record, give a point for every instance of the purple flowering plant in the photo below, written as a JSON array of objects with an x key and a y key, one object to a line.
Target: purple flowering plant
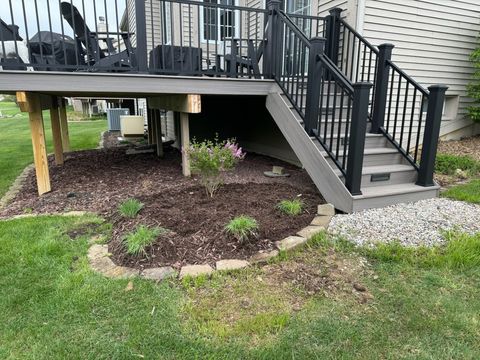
[{"x": 211, "y": 159}]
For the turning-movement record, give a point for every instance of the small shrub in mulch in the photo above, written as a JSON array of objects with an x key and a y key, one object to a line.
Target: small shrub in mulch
[
  {"x": 242, "y": 228},
  {"x": 290, "y": 207}
]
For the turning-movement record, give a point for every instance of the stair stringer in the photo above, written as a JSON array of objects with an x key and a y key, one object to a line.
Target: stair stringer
[{"x": 328, "y": 183}]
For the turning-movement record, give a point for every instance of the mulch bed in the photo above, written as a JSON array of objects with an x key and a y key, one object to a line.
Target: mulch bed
[
  {"x": 468, "y": 146},
  {"x": 99, "y": 180}
]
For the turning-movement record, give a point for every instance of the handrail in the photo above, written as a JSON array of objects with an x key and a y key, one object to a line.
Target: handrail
[
  {"x": 215, "y": 5},
  {"x": 293, "y": 27},
  {"x": 408, "y": 77},
  {"x": 345, "y": 82},
  {"x": 359, "y": 36}
]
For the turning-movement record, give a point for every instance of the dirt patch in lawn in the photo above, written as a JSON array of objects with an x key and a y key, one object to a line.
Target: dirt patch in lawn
[{"x": 100, "y": 180}]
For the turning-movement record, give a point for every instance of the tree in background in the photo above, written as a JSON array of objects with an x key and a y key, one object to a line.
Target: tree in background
[{"x": 473, "y": 89}]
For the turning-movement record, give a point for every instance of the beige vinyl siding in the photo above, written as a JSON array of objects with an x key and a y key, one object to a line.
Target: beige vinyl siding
[{"x": 433, "y": 41}]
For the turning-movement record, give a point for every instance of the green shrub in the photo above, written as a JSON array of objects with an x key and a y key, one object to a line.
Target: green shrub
[
  {"x": 130, "y": 208},
  {"x": 242, "y": 227},
  {"x": 291, "y": 207},
  {"x": 211, "y": 159},
  {"x": 473, "y": 89},
  {"x": 448, "y": 164},
  {"x": 143, "y": 236}
]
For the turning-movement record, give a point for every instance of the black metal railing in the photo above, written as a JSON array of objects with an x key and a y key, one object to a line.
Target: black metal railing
[
  {"x": 332, "y": 109},
  {"x": 205, "y": 38},
  {"x": 70, "y": 35}
]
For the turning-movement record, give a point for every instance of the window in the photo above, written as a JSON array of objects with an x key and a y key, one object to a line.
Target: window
[{"x": 218, "y": 23}]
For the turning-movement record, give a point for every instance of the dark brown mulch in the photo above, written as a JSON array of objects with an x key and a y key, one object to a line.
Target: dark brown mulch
[
  {"x": 99, "y": 180},
  {"x": 197, "y": 223}
]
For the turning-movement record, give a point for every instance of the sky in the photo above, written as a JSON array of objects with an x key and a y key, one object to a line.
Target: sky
[{"x": 42, "y": 7}]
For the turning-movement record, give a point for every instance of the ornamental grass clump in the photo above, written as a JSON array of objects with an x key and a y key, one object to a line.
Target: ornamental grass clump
[
  {"x": 143, "y": 236},
  {"x": 211, "y": 159},
  {"x": 242, "y": 227},
  {"x": 130, "y": 208},
  {"x": 290, "y": 207}
]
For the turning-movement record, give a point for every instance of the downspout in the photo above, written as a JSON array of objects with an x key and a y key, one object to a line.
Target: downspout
[{"x": 360, "y": 16}]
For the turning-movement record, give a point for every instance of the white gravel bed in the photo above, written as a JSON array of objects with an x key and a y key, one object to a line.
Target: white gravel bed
[{"x": 412, "y": 224}]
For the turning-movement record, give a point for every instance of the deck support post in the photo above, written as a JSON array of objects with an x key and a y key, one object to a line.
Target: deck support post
[
  {"x": 141, "y": 36},
  {"x": 62, "y": 108},
  {"x": 381, "y": 87},
  {"x": 56, "y": 131},
  {"x": 433, "y": 121},
  {"x": 312, "y": 100},
  {"x": 158, "y": 131},
  {"x": 356, "y": 147},
  {"x": 32, "y": 103},
  {"x": 185, "y": 143}
]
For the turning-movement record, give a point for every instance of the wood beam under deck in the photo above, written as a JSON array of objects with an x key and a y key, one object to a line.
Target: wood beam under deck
[
  {"x": 64, "y": 124},
  {"x": 56, "y": 131},
  {"x": 32, "y": 103}
]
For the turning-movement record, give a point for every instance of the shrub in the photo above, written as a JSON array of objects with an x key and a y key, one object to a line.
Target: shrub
[
  {"x": 473, "y": 89},
  {"x": 211, "y": 159},
  {"x": 448, "y": 164},
  {"x": 143, "y": 236},
  {"x": 291, "y": 207},
  {"x": 130, "y": 208},
  {"x": 242, "y": 227}
]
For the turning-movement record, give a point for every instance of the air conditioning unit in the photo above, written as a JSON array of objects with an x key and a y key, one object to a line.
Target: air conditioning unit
[{"x": 113, "y": 118}]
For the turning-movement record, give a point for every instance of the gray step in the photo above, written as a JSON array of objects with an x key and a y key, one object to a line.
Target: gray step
[
  {"x": 386, "y": 175},
  {"x": 380, "y": 196},
  {"x": 372, "y": 156}
]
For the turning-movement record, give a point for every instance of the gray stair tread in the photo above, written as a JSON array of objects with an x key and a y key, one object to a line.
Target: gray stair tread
[
  {"x": 368, "y": 151},
  {"x": 381, "y": 169},
  {"x": 386, "y": 190}
]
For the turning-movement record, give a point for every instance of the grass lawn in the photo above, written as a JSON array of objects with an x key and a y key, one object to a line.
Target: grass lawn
[
  {"x": 15, "y": 143},
  {"x": 54, "y": 307},
  {"x": 469, "y": 192}
]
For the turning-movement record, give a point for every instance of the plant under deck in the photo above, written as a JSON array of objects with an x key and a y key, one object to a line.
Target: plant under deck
[
  {"x": 53, "y": 306},
  {"x": 16, "y": 146}
]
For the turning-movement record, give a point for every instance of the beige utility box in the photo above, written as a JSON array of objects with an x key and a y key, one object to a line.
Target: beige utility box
[{"x": 131, "y": 125}]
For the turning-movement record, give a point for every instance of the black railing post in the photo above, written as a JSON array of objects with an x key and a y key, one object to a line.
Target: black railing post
[
  {"x": 358, "y": 129},
  {"x": 269, "y": 58},
  {"x": 312, "y": 101},
  {"x": 141, "y": 36},
  {"x": 332, "y": 24},
  {"x": 433, "y": 121},
  {"x": 381, "y": 87}
]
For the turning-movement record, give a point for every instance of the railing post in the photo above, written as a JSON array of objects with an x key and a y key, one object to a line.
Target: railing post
[
  {"x": 431, "y": 134},
  {"x": 358, "y": 129},
  {"x": 269, "y": 58},
  {"x": 332, "y": 27},
  {"x": 141, "y": 35},
  {"x": 381, "y": 87},
  {"x": 312, "y": 100}
]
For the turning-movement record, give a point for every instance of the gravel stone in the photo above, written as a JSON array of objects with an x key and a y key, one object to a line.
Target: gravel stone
[{"x": 412, "y": 224}]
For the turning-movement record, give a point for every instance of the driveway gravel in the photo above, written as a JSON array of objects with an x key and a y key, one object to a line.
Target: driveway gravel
[{"x": 412, "y": 224}]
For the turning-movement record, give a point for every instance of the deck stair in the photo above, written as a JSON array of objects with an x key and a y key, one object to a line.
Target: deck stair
[{"x": 360, "y": 141}]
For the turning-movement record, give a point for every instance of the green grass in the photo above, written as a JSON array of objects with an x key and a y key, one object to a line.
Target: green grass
[
  {"x": 54, "y": 307},
  {"x": 242, "y": 227},
  {"x": 447, "y": 164},
  {"x": 143, "y": 236},
  {"x": 16, "y": 148},
  {"x": 130, "y": 208},
  {"x": 469, "y": 192},
  {"x": 291, "y": 207}
]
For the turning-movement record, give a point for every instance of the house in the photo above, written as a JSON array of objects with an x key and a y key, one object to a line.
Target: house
[{"x": 303, "y": 85}]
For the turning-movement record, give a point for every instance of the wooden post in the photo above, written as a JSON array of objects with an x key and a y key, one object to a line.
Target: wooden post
[
  {"x": 56, "y": 132},
  {"x": 64, "y": 125},
  {"x": 158, "y": 132},
  {"x": 185, "y": 133},
  {"x": 32, "y": 103},
  {"x": 149, "y": 125}
]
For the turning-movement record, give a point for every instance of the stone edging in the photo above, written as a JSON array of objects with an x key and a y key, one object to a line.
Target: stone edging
[
  {"x": 100, "y": 260},
  {"x": 14, "y": 189}
]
